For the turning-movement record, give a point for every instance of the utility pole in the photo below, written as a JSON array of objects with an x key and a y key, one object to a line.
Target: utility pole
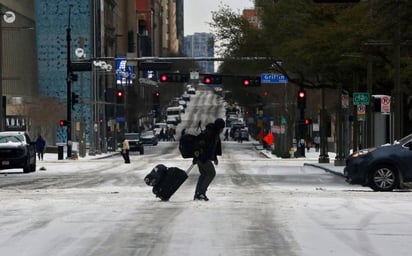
[
  {"x": 323, "y": 157},
  {"x": 69, "y": 91},
  {"x": 398, "y": 101}
]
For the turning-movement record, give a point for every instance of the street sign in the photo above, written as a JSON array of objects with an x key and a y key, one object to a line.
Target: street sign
[
  {"x": 361, "y": 112},
  {"x": 361, "y": 98},
  {"x": 270, "y": 78},
  {"x": 194, "y": 75},
  {"x": 385, "y": 104}
]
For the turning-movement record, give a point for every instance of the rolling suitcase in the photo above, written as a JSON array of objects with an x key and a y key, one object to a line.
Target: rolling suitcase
[{"x": 169, "y": 182}]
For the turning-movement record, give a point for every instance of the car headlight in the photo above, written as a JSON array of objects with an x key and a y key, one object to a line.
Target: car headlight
[{"x": 363, "y": 152}]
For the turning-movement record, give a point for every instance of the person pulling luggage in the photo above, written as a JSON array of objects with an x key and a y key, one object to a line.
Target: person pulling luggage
[{"x": 210, "y": 148}]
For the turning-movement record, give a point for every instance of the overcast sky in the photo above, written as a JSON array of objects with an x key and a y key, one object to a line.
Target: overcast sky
[{"x": 198, "y": 12}]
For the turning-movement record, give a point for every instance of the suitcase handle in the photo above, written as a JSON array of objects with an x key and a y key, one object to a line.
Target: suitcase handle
[{"x": 189, "y": 169}]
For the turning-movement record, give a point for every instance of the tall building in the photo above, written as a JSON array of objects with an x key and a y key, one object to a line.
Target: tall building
[
  {"x": 18, "y": 60},
  {"x": 33, "y": 53},
  {"x": 201, "y": 45}
]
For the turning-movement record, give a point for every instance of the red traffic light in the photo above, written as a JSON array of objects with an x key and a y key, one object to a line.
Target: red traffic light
[
  {"x": 308, "y": 121},
  {"x": 157, "y": 94},
  {"x": 62, "y": 123},
  {"x": 119, "y": 94},
  {"x": 251, "y": 81},
  {"x": 163, "y": 78},
  {"x": 265, "y": 93},
  {"x": 207, "y": 80},
  {"x": 301, "y": 94}
]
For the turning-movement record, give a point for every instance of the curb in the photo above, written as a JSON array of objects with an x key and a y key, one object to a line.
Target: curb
[{"x": 325, "y": 169}]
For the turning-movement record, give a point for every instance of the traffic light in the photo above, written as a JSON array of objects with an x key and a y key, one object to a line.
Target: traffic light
[
  {"x": 75, "y": 99},
  {"x": 265, "y": 93},
  {"x": 62, "y": 123},
  {"x": 212, "y": 79},
  {"x": 308, "y": 121},
  {"x": 251, "y": 81},
  {"x": 156, "y": 98},
  {"x": 174, "y": 77},
  {"x": 163, "y": 78},
  {"x": 119, "y": 96},
  {"x": 301, "y": 99}
]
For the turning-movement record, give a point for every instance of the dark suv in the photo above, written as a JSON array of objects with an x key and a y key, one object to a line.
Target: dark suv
[
  {"x": 383, "y": 168},
  {"x": 17, "y": 151},
  {"x": 135, "y": 142}
]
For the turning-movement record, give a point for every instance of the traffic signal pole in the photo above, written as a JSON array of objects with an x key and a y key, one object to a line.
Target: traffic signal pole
[
  {"x": 69, "y": 92},
  {"x": 323, "y": 157}
]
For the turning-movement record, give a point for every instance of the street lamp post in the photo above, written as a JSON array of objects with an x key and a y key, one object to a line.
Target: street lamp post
[
  {"x": 69, "y": 91},
  {"x": 8, "y": 17}
]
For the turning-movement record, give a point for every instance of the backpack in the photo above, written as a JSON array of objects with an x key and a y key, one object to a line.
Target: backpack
[{"x": 188, "y": 144}]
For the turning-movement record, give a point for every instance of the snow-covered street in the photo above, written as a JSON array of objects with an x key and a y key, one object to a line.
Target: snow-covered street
[{"x": 258, "y": 206}]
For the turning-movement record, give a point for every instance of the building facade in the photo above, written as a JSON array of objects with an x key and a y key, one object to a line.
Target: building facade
[
  {"x": 201, "y": 45},
  {"x": 18, "y": 70}
]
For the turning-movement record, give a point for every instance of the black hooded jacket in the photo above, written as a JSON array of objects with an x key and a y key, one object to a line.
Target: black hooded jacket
[{"x": 209, "y": 143}]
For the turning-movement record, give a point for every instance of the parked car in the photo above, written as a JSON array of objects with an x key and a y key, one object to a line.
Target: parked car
[
  {"x": 17, "y": 151},
  {"x": 191, "y": 90},
  {"x": 186, "y": 97},
  {"x": 172, "y": 120},
  {"x": 149, "y": 138},
  {"x": 183, "y": 103},
  {"x": 135, "y": 143},
  {"x": 244, "y": 134},
  {"x": 383, "y": 168}
]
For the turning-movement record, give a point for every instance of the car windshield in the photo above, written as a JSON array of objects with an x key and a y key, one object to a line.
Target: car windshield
[
  {"x": 11, "y": 138},
  {"x": 135, "y": 136},
  {"x": 147, "y": 134}
]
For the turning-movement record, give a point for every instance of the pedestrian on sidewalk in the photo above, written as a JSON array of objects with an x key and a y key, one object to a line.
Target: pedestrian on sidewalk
[{"x": 40, "y": 146}]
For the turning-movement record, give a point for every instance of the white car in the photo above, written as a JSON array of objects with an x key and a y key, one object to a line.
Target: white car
[
  {"x": 183, "y": 103},
  {"x": 191, "y": 91},
  {"x": 172, "y": 120}
]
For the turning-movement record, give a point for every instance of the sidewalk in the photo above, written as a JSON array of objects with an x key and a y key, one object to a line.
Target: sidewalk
[
  {"x": 54, "y": 156},
  {"x": 311, "y": 159}
]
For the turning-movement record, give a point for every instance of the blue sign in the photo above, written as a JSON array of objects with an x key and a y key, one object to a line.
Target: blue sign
[
  {"x": 271, "y": 78},
  {"x": 124, "y": 73}
]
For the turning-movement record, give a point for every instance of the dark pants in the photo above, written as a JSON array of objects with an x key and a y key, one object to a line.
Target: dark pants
[
  {"x": 126, "y": 157},
  {"x": 40, "y": 154},
  {"x": 207, "y": 174}
]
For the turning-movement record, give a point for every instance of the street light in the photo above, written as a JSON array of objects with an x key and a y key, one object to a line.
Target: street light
[{"x": 8, "y": 17}]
